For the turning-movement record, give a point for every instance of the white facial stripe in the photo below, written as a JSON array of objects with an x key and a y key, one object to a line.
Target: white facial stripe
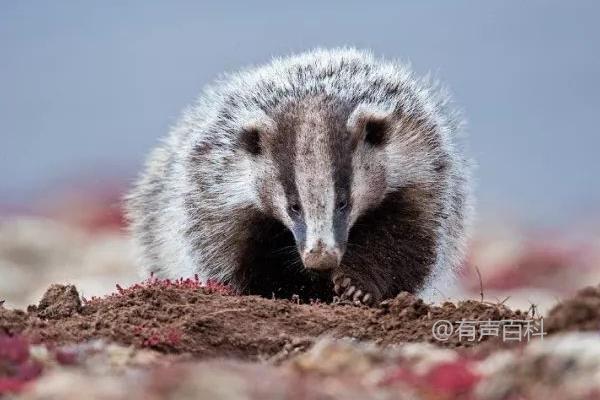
[
  {"x": 314, "y": 180},
  {"x": 368, "y": 176},
  {"x": 360, "y": 187},
  {"x": 280, "y": 205}
]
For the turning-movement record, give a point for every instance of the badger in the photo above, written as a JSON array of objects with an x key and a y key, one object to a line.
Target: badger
[{"x": 326, "y": 174}]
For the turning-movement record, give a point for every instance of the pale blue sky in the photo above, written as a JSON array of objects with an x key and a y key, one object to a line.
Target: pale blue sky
[{"x": 91, "y": 86}]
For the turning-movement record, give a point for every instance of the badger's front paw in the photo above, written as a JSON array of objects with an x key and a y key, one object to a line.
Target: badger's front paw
[{"x": 351, "y": 289}]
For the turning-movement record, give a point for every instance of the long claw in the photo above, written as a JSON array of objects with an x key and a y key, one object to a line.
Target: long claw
[
  {"x": 367, "y": 298},
  {"x": 346, "y": 291},
  {"x": 336, "y": 288},
  {"x": 349, "y": 291}
]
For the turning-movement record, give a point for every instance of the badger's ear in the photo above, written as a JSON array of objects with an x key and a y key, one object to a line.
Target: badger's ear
[
  {"x": 254, "y": 132},
  {"x": 370, "y": 123}
]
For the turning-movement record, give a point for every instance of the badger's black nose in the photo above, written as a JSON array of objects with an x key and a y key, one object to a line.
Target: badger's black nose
[{"x": 321, "y": 257}]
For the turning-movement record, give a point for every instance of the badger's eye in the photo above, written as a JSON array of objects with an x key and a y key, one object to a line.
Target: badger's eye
[
  {"x": 341, "y": 205},
  {"x": 295, "y": 208},
  {"x": 250, "y": 141}
]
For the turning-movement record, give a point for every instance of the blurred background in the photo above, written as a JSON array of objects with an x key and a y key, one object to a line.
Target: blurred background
[{"x": 87, "y": 89}]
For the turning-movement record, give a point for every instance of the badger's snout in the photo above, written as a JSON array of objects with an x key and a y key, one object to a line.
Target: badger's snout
[{"x": 321, "y": 257}]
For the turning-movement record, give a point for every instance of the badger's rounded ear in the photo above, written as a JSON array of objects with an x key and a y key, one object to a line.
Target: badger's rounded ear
[
  {"x": 254, "y": 132},
  {"x": 370, "y": 123}
]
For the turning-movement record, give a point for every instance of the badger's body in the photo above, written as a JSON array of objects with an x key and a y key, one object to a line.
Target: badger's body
[{"x": 328, "y": 172}]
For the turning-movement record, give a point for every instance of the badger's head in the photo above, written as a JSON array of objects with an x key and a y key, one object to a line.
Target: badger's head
[{"x": 319, "y": 164}]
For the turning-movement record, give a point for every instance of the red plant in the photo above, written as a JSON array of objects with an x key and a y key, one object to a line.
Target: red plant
[
  {"x": 66, "y": 357},
  {"x": 213, "y": 286},
  {"x": 446, "y": 379},
  {"x": 194, "y": 283},
  {"x": 16, "y": 367},
  {"x": 453, "y": 377},
  {"x": 153, "y": 337}
]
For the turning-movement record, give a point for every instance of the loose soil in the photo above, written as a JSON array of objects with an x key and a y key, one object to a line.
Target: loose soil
[
  {"x": 579, "y": 313},
  {"x": 183, "y": 317},
  {"x": 187, "y": 322}
]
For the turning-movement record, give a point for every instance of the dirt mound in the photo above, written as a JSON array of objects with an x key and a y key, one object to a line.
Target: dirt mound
[
  {"x": 185, "y": 317},
  {"x": 194, "y": 327},
  {"x": 579, "y": 313},
  {"x": 59, "y": 301}
]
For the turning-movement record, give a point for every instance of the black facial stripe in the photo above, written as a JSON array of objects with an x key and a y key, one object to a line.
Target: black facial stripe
[
  {"x": 340, "y": 148},
  {"x": 284, "y": 150}
]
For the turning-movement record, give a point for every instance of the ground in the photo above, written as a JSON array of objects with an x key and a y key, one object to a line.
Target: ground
[
  {"x": 182, "y": 339},
  {"x": 84, "y": 337}
]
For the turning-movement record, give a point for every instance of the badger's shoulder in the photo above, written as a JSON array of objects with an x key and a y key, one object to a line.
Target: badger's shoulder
[{"x": 154, "y": 210}]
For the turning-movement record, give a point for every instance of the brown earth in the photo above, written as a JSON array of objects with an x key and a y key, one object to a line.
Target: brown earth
[
  {"x": 182, "y": 317},
  {"x": 579, "y": 313},
  {"x": 183, "y": 322}
]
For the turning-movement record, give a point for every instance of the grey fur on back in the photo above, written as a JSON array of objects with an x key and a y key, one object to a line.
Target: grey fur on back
[{"x": 192, "y": 208}]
